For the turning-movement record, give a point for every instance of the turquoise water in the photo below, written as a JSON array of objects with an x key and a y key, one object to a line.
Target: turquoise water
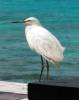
[{"x": 17, "y": 61}]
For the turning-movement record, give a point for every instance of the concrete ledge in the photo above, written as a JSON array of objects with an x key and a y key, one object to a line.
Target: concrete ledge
[
  {"x": 11, "y": 96},
  {"x": 13, "y": 87},
  {"x": 24, "y": 99},
  {"x": 13, "y": 91}
]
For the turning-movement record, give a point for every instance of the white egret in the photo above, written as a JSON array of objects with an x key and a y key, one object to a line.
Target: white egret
[{"x": 43, "y": 42}]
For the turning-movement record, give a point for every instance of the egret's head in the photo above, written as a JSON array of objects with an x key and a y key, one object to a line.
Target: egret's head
[{"x": 31, "y": 21}]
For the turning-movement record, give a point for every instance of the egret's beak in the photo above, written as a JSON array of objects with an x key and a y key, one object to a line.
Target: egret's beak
[{"x": 18, "y": 22}]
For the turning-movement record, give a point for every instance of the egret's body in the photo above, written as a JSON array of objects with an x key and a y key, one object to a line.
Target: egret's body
[{"x": 43, "y": 42}]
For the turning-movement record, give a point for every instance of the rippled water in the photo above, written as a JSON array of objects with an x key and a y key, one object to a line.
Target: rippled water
[{"x": 17, "y": 61}]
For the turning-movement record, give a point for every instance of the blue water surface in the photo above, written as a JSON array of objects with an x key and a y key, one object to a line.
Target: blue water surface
[{"x": 19, "y": 63}]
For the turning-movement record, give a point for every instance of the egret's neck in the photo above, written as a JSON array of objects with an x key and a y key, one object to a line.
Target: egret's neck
[
  {"x": 32, "y": 26},
  {"x": 28, "y": 27}
]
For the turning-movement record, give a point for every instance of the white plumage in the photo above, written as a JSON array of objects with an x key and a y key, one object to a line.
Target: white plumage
[{"x": 42, "y": 41}]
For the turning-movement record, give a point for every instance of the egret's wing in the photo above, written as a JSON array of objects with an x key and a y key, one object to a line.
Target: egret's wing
[
  {"x": 47, "y": 45},
  {"x": 48, "y": 38},
  {"x": 49, "y": 50}
]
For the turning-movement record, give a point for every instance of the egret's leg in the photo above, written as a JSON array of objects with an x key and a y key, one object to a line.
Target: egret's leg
[
  {"x": 47, "y": 69},
  {"x": 42, "y": 62}
]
